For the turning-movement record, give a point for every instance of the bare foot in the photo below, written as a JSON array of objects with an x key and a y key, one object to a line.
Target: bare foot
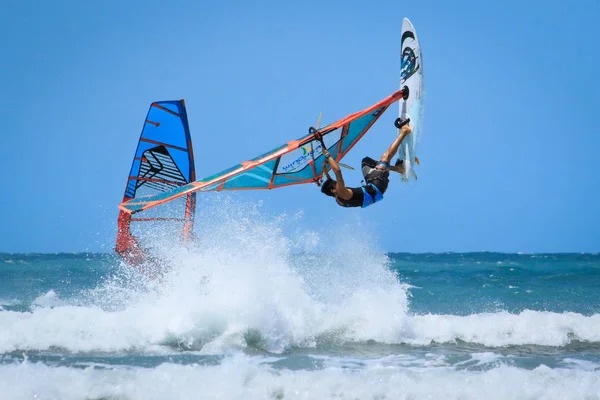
[{"x": 398, "y": 168}]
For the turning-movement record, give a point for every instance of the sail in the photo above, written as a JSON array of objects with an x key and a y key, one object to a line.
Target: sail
[
  {"x": 296, "y": 162},
  {"x": 163, "y": 162}
]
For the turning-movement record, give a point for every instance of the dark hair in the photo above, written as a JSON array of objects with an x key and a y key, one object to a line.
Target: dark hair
[{"x": 327, "y": 186}]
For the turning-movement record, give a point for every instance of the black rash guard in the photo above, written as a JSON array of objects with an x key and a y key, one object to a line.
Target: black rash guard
[{"x": 355, "y": 201}]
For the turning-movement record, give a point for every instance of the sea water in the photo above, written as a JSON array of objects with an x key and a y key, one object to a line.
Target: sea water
[{"x": 252, "y": 312}]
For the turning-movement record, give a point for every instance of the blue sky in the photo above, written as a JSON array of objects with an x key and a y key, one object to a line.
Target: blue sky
[{"x": 510, "y": 134}]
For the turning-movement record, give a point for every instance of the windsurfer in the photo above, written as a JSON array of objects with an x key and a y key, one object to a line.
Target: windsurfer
[{"x": 376, "y": 174}]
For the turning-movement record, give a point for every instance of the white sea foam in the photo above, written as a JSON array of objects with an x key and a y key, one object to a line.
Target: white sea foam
[
  {"x": 581, "y": 364},
  {"x": 503, "y": 328},
  {"x": 243, "y": 377},
  {"x": 273, "y": 305},
  {"x": 8, "y": 302},
  {"x": 260, "y": 283},
  {"x": 480, "y": 359},
  {"x": 49, "y": 299}
]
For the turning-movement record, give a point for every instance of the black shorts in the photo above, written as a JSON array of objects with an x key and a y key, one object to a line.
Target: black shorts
[{"x": 376, "y": 172}]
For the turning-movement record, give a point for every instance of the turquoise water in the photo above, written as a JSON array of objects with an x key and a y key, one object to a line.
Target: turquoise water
[{"x": 287, "y": 325}]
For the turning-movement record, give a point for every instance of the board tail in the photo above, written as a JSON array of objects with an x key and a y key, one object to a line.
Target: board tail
[{"x": 163, "y": 161}]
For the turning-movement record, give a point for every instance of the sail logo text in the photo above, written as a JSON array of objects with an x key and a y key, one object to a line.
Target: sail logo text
[{"x": 300, "y": 162}]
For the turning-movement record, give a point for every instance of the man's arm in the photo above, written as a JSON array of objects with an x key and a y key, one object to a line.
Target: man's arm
[
  {"x": 342, "y": 191},
  {"x": 325, "y": 169},
  {"x": 405, "y": 131}
]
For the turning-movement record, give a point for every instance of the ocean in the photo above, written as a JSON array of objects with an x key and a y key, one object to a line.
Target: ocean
[{"x": 235, "y": 320}]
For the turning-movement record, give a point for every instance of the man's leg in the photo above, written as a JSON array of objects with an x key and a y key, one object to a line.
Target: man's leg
[
  {"x": 367, "y": 165},
  {"x": 393, "y": 149}
]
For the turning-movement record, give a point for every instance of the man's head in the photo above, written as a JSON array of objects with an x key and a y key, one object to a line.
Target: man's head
[{"x": 328, "y": 187}]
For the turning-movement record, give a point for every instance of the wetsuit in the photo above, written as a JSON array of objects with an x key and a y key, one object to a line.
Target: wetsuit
[{"x": 376, "y": 174}]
